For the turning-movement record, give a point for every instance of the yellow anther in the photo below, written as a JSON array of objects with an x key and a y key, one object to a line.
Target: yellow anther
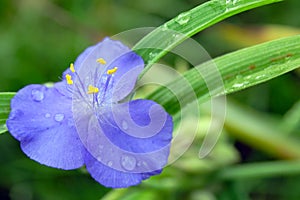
[
  {"x": 69, "y": 79},
  {"x": 101, "y": 61},
  {"x": 112, "y": 71},
  {"x": 72, "y": 67},
  {"x": 92, "y": 89}
]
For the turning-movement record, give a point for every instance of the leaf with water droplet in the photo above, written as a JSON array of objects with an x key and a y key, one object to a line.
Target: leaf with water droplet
[
  {"x": 236, "y": 70},
  {"x": 183, "y": 18},
  {"x": 188, "y": 24},
  {"x": 59, "y": 117}
]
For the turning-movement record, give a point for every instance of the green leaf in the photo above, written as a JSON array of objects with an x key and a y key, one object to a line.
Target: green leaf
[
  {"x": 239, "y": 70},
  {"x": 5, "y": 98},
  {"x": 158, "y": 42},
  {"x": 261, "y": 170}
]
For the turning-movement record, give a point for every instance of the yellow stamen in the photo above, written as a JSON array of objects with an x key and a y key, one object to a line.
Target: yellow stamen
[
  {"x": 101, "y": 61},
  {"x": 72, "y": 67},
  {"x": 92, "y": 89},
  {"x": 112, "y": 71},
  {"x": 69, "y": 79}
]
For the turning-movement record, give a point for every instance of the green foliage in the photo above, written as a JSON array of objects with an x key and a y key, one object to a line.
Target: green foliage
[
  {"x": 189, "y": 23},
  {"x": 238, "y": 70},
  {"x": 4, "y": 109}
]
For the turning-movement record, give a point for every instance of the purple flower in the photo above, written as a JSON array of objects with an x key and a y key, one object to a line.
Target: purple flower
[{"x": 84, "y": 120}]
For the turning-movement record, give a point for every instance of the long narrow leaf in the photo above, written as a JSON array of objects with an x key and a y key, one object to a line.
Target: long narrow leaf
[
  {"x": 4, "y": 109},
  {"x": 157, "y": 43},
  {"x": 238, "y": 70}
]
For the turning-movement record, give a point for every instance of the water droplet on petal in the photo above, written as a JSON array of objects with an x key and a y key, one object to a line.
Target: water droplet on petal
[
  {"x": 139, "y": 163},
  {"x": 142, "y": 164},
  {"x": 124, "y": 125},
  {"x": 110, "y": 163},
  {"x": 99, "y": 158},
  {"x": 183, "y": 18},
  {"x": 128, "y": 162},
  {"x": 37, "y": 95},
  {"x": 16, "y": 113},
  {"x": 47, "y": 115},
  {"x": 59, "y": 117}
]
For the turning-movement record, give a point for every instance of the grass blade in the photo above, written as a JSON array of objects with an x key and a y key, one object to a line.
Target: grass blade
[
  {"x": 239, "y": 70},
  {"x": 156, "y": 44},
  {"x": 5, "y": 98}
]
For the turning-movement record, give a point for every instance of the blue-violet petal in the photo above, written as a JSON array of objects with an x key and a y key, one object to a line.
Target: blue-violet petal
[{"x": 41, "y": 120}]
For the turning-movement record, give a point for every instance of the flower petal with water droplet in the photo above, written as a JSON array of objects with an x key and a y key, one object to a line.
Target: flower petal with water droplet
[
  {"x": 66, "y": 125},
  {"x": 42, "y": 138},
  {"x": 110, "y": 177}
]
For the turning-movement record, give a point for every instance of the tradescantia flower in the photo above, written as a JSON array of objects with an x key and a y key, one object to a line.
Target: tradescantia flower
[{"x": 84, "y": 119}]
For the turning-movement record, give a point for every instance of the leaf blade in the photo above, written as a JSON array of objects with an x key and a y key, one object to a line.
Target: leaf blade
[
  {"x": 157, "y": 43},
  {"x": 5, "y": 98},
  {"x": 239, "y": 70}
]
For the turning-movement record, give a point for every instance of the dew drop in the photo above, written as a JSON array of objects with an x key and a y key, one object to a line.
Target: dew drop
[
  {"x": 37, "y": 95},
  {"x": 152, "y": 55},
  {"x": 99, "y": 158},
  {"x": 16, "y": 113},
  {"x": 142, "y": 164},
  {"x": 110, "y": 163},
  {"x": 47, "y": 115},
  {"x": 260, "y": 77},
  {"x": 217, "y": 6},
  {"x": 238, "y": 85},
  {"x": 128, "y": 162},
  {"x": 139, "y": 163},
  {"x": 165, "y": 27},
  {"x": 230, "y": 4},
  {"x": 124, "y": 125},
  {"x": 177, "y": 36},
  {"x": 59, "y": 117},
  {"x": 183, "y": 18}
]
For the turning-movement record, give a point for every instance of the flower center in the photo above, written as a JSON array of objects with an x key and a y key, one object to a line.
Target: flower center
[
  {"x": 84, "y": 90},
  {"x": 92, "y": 90}
]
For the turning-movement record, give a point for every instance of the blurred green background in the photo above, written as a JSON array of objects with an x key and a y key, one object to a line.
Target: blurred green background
[{"x": 38, "y": 40}]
